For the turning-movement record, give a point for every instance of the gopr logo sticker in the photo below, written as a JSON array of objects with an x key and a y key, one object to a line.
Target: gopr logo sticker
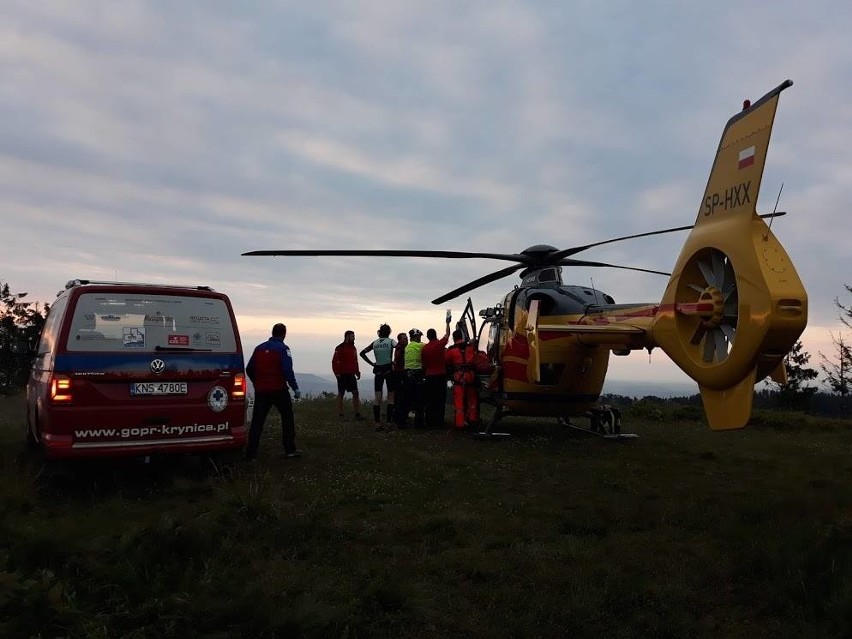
[{"x": 217, "y": 399}]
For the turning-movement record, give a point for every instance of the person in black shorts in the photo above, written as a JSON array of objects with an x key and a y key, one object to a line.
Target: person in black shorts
[
  {"x": 344, "y": 364},
  {"x": 383, "y": 350}
]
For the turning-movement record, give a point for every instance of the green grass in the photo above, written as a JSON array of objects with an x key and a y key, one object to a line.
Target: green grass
[{"x": 680, "y": 533}]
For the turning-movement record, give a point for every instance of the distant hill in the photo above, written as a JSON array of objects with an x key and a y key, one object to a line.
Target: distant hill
[
  {"x": 314, "y": 385},
  {"x": 311, "y": 384},
  {"x": 630, "y": 388}
]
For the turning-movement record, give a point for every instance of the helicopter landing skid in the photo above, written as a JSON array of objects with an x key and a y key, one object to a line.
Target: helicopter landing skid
[
  {"x": 488, "y": 431},
  {"x": 485, "y": 434},
  {"x": 604, "y": 422}
]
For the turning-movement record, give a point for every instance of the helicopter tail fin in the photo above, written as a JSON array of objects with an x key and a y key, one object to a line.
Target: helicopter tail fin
[{"x": 734, "y": 305}]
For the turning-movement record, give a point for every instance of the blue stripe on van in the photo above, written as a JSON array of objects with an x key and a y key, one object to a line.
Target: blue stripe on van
[{"x": 134, "y": 362}]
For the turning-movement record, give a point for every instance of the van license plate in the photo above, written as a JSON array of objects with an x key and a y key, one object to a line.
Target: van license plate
[{"x": 158, "y": 388}]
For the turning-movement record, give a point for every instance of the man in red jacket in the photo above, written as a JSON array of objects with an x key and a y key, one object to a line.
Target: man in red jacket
[
  {"x": 270, "y": 370},
  {"x": 344, "y": 365}
]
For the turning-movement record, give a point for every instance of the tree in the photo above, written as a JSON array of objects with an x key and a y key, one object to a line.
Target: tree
[
  {"x": 845, "y": 311},
  {"x": 796, "y": 393},
  {"x": 838, "y": 369},
  {"x": 20, "y": 326}
]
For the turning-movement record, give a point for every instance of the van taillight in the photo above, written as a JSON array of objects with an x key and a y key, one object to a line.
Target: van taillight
[
  {"x": 60, "y": 389},
  {"x": 239, "y": 389}
]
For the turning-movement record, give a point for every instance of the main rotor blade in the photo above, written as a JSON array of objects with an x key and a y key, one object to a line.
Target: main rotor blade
[
  {"x": 482, "y": 281},
  {"x": 569, "y": 262},
  {"x": 392, "y": 253},
  {"x": 577, "y": 249}
]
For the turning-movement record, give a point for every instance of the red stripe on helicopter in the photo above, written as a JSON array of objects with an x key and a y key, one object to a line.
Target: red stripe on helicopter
[
  {"x": 645, "y": 311},
  {"x": 698, "y": 308},
  {"x": 517, "y": 347},
  {"x": 685, "y": 308},
  {"x": 515, "y": 371}
]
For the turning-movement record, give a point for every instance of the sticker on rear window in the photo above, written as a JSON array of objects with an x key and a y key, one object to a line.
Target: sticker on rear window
[
  {"x": 178, "y": 340},
  {"x": 134, "y": 337}
]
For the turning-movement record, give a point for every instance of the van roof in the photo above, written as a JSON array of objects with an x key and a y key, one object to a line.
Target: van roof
[{"x": 78, "y": 282}]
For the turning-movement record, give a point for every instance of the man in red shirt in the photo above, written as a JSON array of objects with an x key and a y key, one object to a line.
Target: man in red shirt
[
  {"x": 435, "y": 376},
  {"x": 344, "y": 364}
]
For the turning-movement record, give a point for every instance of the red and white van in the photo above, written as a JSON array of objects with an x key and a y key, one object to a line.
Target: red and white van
[{"x": 137, "y": 369}]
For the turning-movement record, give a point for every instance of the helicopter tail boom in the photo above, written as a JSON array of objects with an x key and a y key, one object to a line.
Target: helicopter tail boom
[{"x": 734, "y": 305}]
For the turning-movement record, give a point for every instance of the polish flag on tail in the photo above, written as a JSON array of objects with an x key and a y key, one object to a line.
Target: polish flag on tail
[{"x": 746, "y": 157}]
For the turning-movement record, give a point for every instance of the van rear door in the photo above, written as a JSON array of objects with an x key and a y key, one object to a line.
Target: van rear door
[{"x": 150, "y": 369}]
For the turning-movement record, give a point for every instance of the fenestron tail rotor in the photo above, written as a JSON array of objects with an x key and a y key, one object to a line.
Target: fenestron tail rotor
[{"x": 717, "y": 304}]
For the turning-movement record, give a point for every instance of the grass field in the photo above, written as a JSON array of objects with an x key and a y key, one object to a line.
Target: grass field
[{"x": 680, "y": 533}]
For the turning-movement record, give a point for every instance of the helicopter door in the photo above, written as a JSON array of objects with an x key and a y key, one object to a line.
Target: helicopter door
[{"x": 531, "y": 329}]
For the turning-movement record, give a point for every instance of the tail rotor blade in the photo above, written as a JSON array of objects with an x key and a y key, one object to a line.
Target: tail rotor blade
[
  {"x": 721, "y": 345},
  {"x": 707, "y": 272},
  {"x": 709, "y": 347}
]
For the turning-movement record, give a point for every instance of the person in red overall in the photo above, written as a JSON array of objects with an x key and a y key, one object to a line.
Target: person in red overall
[{"x": 461, "y": 365}]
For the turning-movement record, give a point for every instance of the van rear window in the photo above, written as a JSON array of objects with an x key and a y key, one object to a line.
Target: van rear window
[{"x": 124, "y": 322}]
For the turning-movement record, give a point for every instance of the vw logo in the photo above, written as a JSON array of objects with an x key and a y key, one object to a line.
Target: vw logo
[{"x": 158, "y": 366}]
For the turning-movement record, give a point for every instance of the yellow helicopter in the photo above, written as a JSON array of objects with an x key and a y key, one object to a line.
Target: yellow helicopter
[{"x": 733, "y": 307}]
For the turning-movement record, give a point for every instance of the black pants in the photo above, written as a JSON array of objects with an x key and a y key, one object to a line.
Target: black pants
[
  {"x": 412, "y": 399},
  {"x": 262, "y": 403},
  {"x": 435, "y": 400}
]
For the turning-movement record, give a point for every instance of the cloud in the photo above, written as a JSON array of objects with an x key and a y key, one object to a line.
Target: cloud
[{"x": 160, "y": 141}]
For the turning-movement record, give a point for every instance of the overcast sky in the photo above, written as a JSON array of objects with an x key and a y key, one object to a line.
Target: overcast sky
[{"x": 157, "y": 141}]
